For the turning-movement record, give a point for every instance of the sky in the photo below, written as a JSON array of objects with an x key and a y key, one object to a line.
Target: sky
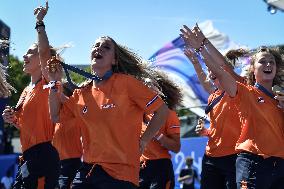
[{"x": 142, "y": 25}]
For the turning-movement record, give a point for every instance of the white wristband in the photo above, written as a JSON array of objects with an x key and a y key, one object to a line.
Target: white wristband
[{"x": 159, "y": 137}]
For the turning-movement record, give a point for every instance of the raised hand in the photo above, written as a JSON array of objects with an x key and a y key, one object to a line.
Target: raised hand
[
  {"x": 41, "y": 11},
  {"x": 192, "y": 38},
  {"x": 198, "y": 33},
  {"x": 55, "y": 69}
]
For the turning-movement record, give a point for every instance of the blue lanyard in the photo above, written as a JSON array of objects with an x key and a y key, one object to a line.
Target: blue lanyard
[
  {"x": 264, "y": 90},
  {"x": 211, "y": 105},
  {"x": 83, "y": 73}
]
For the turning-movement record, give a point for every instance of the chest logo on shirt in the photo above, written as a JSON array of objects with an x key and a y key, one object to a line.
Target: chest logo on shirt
[
  {"x": 85, "y": 109},
  {"x": 260, "y": 100},
  {"x": 107, "y": 106}
]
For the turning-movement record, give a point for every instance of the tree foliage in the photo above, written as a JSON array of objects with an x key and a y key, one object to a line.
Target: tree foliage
[{"x": 17, "y": 78}]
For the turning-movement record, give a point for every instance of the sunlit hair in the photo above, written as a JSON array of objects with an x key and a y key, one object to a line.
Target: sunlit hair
[
  {"x": 169, "y": 91},
  {"x": 128, "y": 62},
  {"x": 233, "y": 55},
  {"x": 53, "y": 51},
  {"x": 5, "y": 87}
]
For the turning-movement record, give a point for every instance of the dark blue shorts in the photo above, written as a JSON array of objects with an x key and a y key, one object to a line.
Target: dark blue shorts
[
  {"x": 98, "y": 179},
  {"x": 157, "y": 174},
  {"x": 218, "y": 172},
  {"x": 255, "y": 172},
  {"x": 41, "y": 160},
  {"x": 68, "y": 170}
]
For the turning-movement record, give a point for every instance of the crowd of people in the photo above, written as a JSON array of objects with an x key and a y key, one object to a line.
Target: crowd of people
[{"x": 116, "y": 130}]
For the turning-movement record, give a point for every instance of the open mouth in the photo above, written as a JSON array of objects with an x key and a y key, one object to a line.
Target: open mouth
[
  {"x": 268, "y": 71},
  {"x": 26, "y": 62},
  {"x": 98, "y": 55}
]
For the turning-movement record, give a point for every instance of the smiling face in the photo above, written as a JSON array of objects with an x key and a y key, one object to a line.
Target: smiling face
[
  {"x": 102, "y": 55},
  {"x": 31, "y": 60},
  {"x": 264, "y": 67}
]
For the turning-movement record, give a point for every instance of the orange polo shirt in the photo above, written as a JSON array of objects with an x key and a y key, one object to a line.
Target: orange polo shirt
[
  {"x": 225, "y": 126},
  {"x": 154, "y": 150},
  {"x": 67, "y": 139},
  {"x": 262, "y": 122},
  {"x": 112, "y": 115},
  {"x": 33, "y": 117}
]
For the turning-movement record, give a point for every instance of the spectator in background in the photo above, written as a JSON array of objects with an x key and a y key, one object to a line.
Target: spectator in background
[{"x": 188, "y": 175}]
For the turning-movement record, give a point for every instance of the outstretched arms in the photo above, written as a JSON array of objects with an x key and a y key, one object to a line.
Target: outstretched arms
[{"x": 196, "y": 40}]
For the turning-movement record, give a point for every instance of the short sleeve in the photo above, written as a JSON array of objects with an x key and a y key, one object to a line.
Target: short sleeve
[
  {"x": 143, "y": 96},
  {"x": 241, "y": 100},
  {"x": 172, "y": 123}
]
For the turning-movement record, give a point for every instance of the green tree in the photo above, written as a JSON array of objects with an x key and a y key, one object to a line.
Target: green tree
[{"x": 17, "y": 78}]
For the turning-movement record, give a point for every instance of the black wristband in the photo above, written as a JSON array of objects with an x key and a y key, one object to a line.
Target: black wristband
[{"x": 39, "y": 24}]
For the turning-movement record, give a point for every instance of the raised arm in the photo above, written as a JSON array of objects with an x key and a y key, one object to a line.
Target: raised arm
[
  {"x": 218, "y": 58},
  {"x": 195, "y": 41},
  {"x": 43, "y": 43},
  {"x": 202, "y": 77}
]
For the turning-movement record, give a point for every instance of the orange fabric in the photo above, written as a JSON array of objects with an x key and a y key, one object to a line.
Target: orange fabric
[
  {"x": 262, "y": 123},
  {"x": 112, "y": 116},
  {"x": 225, "y": 127},
  {"x": 33, "y": 117},
  {"x": 40, "y": 183},
  {"x": 67, "y": 139},
  {"x": 154, "y": 150}
]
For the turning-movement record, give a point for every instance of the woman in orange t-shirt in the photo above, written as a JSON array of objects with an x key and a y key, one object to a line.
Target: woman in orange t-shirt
[
  {"x": 67, "y": 141},
  {"x": 111, "y": 108},
  {"x": 218, "y": 163},
  {"x": 31, "y": 116},
  {"x": 260, "y": 161},
  {"x": 156, "y": 170}
]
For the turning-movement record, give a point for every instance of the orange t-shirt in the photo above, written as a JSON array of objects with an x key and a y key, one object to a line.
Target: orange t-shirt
[
  {"x": 154, "y": 150},
  {"x": 33, "y": 117},
  {"x": 225, "y": 126},
  {"x": 262, "y": 122},
  {"x": 112, "y": 115},
  {"x": 40, "y": 183},
  {"x": 67, "y": 139}
]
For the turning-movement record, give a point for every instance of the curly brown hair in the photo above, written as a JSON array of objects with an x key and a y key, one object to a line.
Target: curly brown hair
[
  {"x": 279, "y": 76},
  {"x": 233, "y": 55}
]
